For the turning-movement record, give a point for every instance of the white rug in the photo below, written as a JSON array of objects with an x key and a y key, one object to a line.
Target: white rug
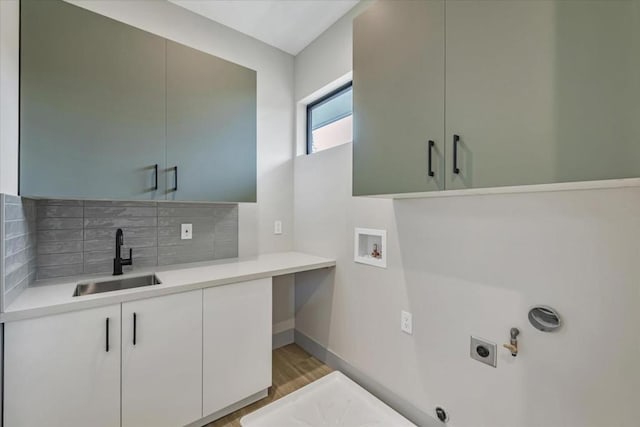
[{"x": 332, "y": 401}]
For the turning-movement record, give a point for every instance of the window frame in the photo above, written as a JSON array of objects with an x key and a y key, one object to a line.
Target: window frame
[{"x": 322, "y": 100}]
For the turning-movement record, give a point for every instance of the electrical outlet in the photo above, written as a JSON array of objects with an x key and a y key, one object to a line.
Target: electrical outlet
[
  {"x": 186, "y": 231},
  {"x": 277, "y": 227},
  {"x": 483, "y": 351},
  {"x": 406, "y": 322}
]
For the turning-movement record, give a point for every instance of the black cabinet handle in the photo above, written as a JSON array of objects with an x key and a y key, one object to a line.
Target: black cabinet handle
[
  {"x": 431, "y": 144},
  {"x": 134, "y": 328},
  {"x": 456, "y": 140},
  {"x": 155, "y": 175},
  {"x": 107, "y": 343},
  {"x": 175, "y": 188}
]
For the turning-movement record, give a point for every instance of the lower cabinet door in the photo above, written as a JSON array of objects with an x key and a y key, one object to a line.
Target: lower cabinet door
[
  {"x": 237, "y": 343},
  {"x": 162, "y": 361},
  {"x": 63, "y": 370}
]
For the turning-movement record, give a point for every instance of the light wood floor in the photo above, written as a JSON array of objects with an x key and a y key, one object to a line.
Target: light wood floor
[{"x": 293, "y": 368}]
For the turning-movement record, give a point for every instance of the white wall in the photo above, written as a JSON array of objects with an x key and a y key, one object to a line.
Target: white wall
[
  {"x": 275, "y": 113},
  {"x": 9, "y": 96},
  {"x": 474, "y": 265}
]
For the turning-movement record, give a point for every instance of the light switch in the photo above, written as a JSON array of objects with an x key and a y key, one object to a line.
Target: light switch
[
  {"x": 277, "y": 227},
  {"x": 186, "y": 231}
]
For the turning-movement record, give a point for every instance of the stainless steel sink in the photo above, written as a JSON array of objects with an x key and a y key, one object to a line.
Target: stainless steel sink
[{"x": 115, "y": 285}]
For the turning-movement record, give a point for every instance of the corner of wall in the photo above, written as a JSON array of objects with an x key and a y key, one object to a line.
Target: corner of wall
[{"x": 9, "y": 99}]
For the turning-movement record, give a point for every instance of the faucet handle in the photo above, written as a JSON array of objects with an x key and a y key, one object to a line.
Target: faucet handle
[{"x": 130, "y": 254}]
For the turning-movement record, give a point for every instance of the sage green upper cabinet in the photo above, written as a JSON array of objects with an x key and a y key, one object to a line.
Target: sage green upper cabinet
[
  {"x": 92, "y": 122},
  {"x": 211, "y": 127},
  {"x": 112, "y": 112},
  {"x": 542, "y": 91},
  {"x": 398, "y": 96},
  {"x": 535, "y": 92}
]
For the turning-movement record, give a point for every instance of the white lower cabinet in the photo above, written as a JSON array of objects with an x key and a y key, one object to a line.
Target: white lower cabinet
[
  {"x": 58, "y": 372},
  {"x": 162, "y": 361},
  {"x": 236, "y": 343}
]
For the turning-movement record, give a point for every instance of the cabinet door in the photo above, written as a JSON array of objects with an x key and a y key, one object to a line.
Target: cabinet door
[
  {"x": 92, "y": 105},
  {"x": 211, "y": 127},
  {"x": 58, "y": 371},
  {"x": 237, "y": 343},
  {"x": 542, "y": 91},
  {"x": 398, "y": 97},
  {"x": 162, "y": 361}
]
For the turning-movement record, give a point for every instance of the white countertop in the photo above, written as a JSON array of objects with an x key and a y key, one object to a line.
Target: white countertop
[{"x": 56, "y": 296}]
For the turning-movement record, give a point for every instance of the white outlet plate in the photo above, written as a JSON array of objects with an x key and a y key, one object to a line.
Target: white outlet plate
[
  {"x": 186, "y": 231},
  {"x": 406, "y": 322},
  {"x": 277, "y": 227}
]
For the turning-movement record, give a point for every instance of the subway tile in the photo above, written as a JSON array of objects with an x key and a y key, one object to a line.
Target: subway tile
[
  {"x": 16, "y": 228},
  {"x": 13, "y": 245},
  {"x": 15, "y": 261},
  {"x": 75, "y": 237},
  {"x": 98, "y": 267},
  {"x": 172, "y": 204},
  {"x": 45, "y": 260},
  {"x": 54, "y": 211},
  {"x": 225, "y": 251},
  {"x": 56, "y": 202},
  {"x": 195, "y": 221},
  {"x": 187, "y": 212},
  {"x": 180, "y": 256},
  {"x": 50, "y": 272},
  {"x": 119, "y": 212},
  {"x": 14, "y": 277},
  {"x": 59, "y": 223},
  {"x": 129, "y": 232},
  {"x": 59, "y": 235},
  {"x": 151, "y": 221},
  {"x": 59, "y": 247},
  {"x": 97, "y": 256},
  {"x": 142, "y": 262},
  {"x": 109, "y": 245},
  {"x": 115, "y": 203},
  {"x": 224, "y": 211},
  {"x": 10, "y": 198},
  {"x": 13, "y": 212}
]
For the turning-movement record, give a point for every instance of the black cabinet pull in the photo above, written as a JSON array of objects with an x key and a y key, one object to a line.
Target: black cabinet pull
[
  {"x": 107, "y": 343},
  {"x": 134, "y": 328},
  {"x": 175, "y": 188},
  {"x": 155, "y": 175},
  {"x": 456, "y": 140},
  {"x": 431, "y": 144}
]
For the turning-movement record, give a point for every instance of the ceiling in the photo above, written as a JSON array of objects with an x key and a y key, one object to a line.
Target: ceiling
[{"x": 289, "y": 25}]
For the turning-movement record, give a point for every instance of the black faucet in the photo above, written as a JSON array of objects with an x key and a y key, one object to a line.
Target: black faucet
[{"x": 118, "y": 261}]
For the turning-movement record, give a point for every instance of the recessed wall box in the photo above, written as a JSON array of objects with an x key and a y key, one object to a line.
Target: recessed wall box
[{"x": 371, "y": 247}]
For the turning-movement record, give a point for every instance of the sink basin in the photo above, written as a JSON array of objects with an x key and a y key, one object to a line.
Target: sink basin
[{"x": 115, "y": 285}]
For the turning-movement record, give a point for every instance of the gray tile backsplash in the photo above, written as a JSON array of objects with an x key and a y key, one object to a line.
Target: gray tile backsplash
[
  {"x": 18, "y": 251},
  {"x": 76, "y": 237}
]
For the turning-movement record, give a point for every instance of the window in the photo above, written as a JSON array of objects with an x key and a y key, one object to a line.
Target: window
[{"x": 330, "y": 120}]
